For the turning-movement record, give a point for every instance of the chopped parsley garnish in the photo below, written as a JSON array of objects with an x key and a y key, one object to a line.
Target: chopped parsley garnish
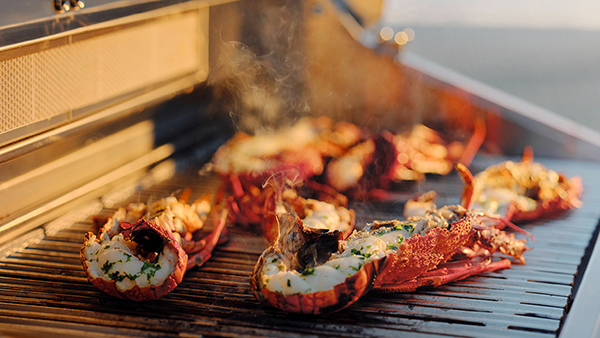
[
  {"x": 274, "y": 260},
  {"x": 381, "y": 232},
  {"x": 337, "y": 266},
  {"x": 131, "y": 277},
  {"x": 148, "y": 265},
  {"x": 107, "y": 247},
  {"x": 128, "y": 256},
  {"x": 400, "y": 239},
  {"x": 409, "y": 227},
  {"x": 107, "y": 266},
  {"x": 353, "y": 268},
  {"x": 392, "y": 247},
  {"x": 116, "y": 276},
  {"x": 308, "y": 272},
  {"x": 289, "y": 283},
  {"x": 150, "y": 274},
  {"x": 150, "y": 269},
  {"x": 359, "y": 253},
  {"x": 280, "y": 267}
]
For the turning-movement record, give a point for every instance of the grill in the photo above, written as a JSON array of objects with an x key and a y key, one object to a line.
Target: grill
[
  {"x": 150, "y": 130},
  {"x": 44, "y": 292}
]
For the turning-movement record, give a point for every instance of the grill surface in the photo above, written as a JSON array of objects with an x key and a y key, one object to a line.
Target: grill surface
[{"x": 44, "y": 291}]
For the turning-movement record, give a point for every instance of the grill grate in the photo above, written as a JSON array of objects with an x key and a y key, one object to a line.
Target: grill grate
[{"x": 44, "y": 292}]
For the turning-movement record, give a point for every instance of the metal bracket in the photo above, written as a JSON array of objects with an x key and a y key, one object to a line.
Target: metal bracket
[{"x": 62, "y": 6}]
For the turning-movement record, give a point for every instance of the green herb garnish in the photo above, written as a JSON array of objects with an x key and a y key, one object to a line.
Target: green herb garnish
[
  {"x": 308, "y": 272},
  {"x": 107, "y": 266},
  {"x": 150, "y": 269},
  {"x": 116, "y": 276}
]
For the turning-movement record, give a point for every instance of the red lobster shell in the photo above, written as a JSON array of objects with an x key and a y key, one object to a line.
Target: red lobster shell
[
  {"x": 443, "y": 254},
  {"x": 419, "y": 254}
]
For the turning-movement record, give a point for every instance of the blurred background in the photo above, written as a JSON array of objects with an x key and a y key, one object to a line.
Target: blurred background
[{"x": 546, "y": 52}]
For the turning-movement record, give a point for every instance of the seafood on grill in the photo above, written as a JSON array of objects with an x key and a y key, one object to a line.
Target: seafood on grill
[
  {"x": 364, "y": 167},
  {"x": 372, "y": 166},
  {"x": 298, "y": 151},
  {"x": 142, "y": 251},
  {"x": 340, "y": 155},
  {"x": 435, "y": 236},
  {"x": 142, "y": 262},
  {"x": 258, "y": 207},
  {"x": 520, "y": 191},
  {"x": 181, "y": 219},
  {"x": 309, "y": 271},
  {"x": 458, "y": 243}
]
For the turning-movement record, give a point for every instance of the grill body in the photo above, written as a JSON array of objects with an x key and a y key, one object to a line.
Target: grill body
[{"x": 130, "y": 116}]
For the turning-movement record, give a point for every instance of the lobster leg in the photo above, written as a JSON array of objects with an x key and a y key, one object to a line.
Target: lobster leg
[
  {"x": 466, "y": 198},
  {"x": 449, "y": 272},
  {"x": 198, "y": 259},
  {"x": 474, "y": 143}
]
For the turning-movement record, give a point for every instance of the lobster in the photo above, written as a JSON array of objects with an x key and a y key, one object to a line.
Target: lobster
[
  {"x": 256, "y": 208},
  {"x": 519, "y": 191},
  {"x": 142, "y": 252},
  {"x": 319, "y": 272}
]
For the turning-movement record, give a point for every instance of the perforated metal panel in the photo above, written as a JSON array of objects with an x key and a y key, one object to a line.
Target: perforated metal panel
[{"x": 92, "y": 67}]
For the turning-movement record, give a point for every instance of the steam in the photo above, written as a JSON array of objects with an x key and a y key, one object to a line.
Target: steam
[{"x": 262, "y": 88}]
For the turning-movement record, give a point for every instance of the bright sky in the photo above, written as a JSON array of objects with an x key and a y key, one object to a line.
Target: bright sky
[{"x": 573, "y": 14}]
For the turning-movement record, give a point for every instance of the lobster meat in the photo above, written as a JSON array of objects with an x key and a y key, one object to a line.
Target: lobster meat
[
  {"x": 143, "y": 262},
  {"x": 307, "y": 270},
  {"x": 372, "y": 166},
  {"x": 519, "y": 191},
  {"x": 298, "y": 151},
  {"x": 257, "y": 209},
  {"x": 143, "y": 251}
]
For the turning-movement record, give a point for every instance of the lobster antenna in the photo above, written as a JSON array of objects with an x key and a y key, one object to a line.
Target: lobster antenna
[{"x": 466, "y": 198}]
